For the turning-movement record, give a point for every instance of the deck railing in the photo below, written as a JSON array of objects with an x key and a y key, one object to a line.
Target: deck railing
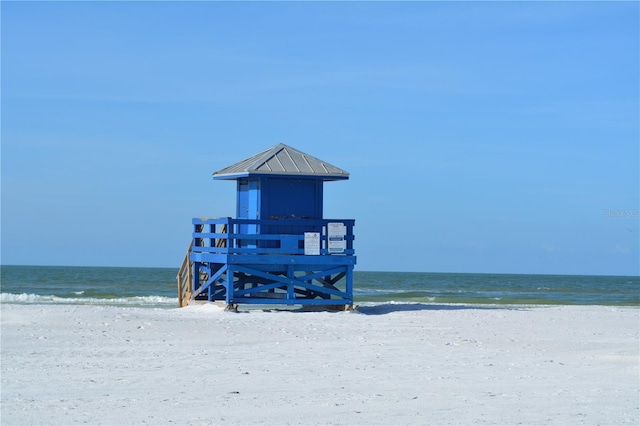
[{"x": 271, "y": 236}]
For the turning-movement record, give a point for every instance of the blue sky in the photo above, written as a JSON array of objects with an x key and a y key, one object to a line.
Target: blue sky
[{"x": 480, "y": 137}]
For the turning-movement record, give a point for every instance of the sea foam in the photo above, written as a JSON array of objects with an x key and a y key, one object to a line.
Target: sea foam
[{"x": 139, "y": 301}]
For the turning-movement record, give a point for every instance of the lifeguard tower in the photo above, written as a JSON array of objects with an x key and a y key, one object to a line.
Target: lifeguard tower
[{"x": 279, "y": 249}]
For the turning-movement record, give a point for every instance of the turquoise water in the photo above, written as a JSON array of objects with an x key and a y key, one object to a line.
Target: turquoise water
[
  {"x": 156, "y": 287},
  {"x": 498, "y": 288}
]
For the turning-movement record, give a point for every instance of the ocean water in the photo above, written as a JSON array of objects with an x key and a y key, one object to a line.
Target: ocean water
[{"x": 157, "y": 287}]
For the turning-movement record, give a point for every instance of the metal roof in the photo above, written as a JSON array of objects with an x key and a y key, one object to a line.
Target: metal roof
[{"x": 282, "y": 160}]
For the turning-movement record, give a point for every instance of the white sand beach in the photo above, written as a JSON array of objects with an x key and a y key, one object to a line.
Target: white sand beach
[{"x": 386, "y": 365}]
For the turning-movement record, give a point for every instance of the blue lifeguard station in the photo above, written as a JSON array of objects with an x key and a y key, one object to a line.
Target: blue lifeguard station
[{"x": 279, "y": 249}]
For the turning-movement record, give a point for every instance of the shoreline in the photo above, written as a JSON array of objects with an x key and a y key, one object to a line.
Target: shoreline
[
  {"x": 384, "y": 364},
  {"x": 168, "y": 303}
]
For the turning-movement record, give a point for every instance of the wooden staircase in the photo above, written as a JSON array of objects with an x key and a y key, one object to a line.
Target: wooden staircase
[
  {"x": 185, "y": 278},
  {"x": 185, "y": 274}
]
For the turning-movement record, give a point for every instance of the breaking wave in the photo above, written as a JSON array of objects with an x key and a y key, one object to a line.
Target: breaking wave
[{"x": 138, "y": 301}]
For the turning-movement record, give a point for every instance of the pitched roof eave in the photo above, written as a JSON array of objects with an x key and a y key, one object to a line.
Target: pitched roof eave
[{"x": 282, "y": 160}]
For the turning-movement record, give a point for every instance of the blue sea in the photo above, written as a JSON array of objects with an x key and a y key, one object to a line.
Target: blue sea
[{"x": 157, "y": 287}]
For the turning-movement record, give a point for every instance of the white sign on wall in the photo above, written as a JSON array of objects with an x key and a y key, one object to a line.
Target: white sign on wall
[
  {"x": 311, "y": 243},
  {"x": 335, "y": 237}
]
